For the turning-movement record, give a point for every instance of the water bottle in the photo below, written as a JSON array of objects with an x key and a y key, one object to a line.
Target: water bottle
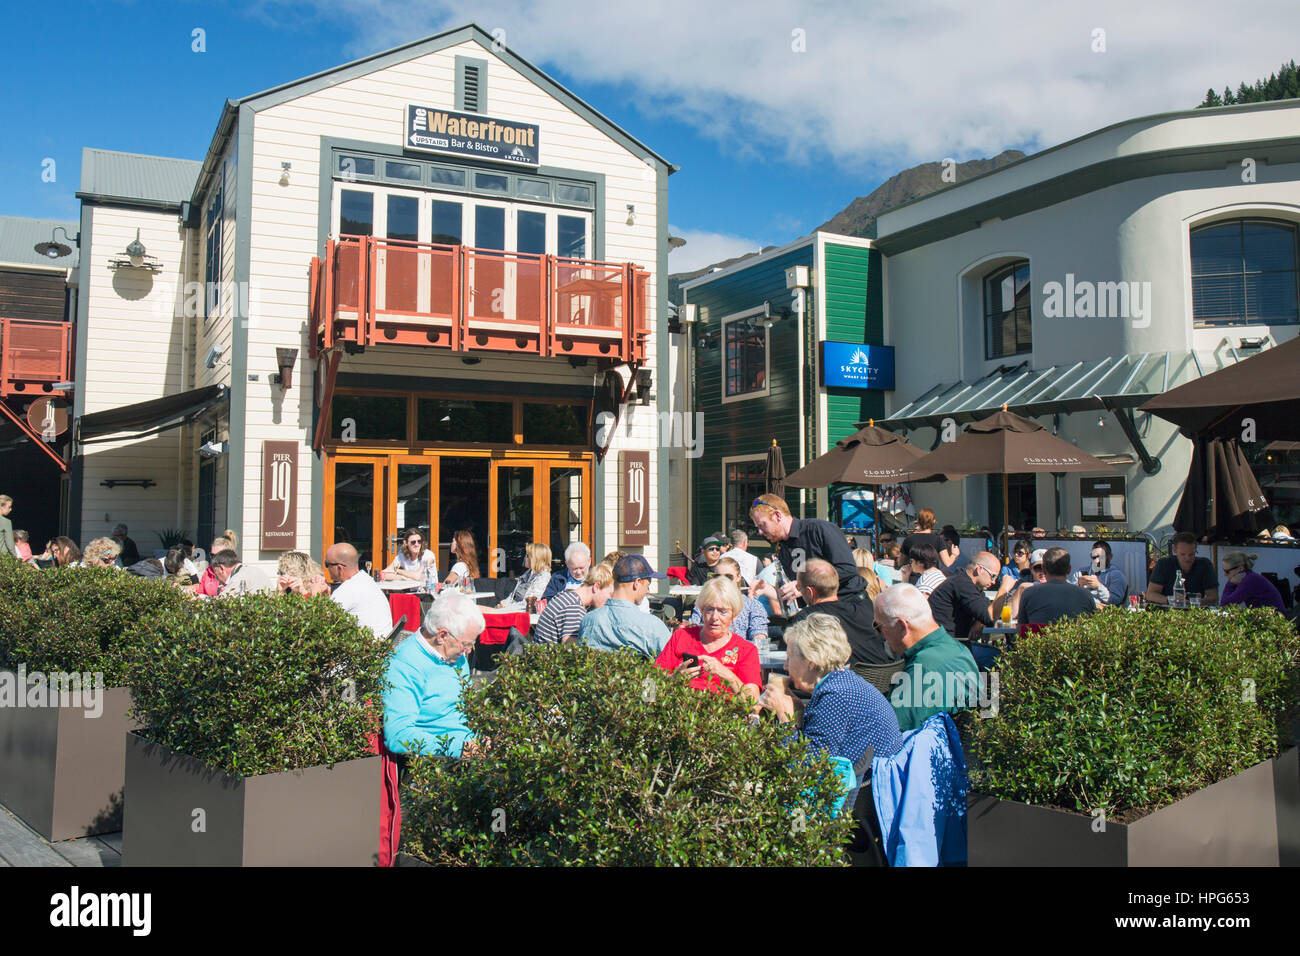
[
  {"x": 791, "y": 606},
  {"x": 429, "y": 576},
  {"x": 1180, "y": 590}
]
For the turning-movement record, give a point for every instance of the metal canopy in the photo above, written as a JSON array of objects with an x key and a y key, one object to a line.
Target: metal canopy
[{"x": 1107, "y": 384}]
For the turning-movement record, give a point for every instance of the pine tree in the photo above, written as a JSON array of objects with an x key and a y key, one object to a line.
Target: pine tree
[{"x": 1282, "y": 85}]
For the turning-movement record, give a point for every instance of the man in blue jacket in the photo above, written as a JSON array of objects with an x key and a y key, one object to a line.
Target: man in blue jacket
[{"x": 422, "y": 700}]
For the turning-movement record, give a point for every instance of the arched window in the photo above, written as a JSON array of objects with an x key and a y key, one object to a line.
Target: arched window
[
  {"x": 1244, "y": 272},
  {"x": 1006, "y": 311}
]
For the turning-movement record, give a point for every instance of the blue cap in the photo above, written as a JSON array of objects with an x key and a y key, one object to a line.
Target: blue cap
[{"x": 633, "y": 567}]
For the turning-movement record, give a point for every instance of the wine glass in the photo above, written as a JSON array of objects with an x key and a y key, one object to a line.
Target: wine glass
[{"x": 369, "y": 565}]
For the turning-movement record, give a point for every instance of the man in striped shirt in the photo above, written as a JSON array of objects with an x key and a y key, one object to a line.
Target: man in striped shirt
[{"x": 560, "y": 619}]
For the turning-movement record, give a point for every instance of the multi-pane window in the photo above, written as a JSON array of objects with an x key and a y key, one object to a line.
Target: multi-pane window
[
  {"x": 744, "y": 481},
  {"x": 1006, "y": 312},
  {"x": 1244, "y": 272},
  {"x": 744, "y": 357},
  {"x": 212, "y": 248}
]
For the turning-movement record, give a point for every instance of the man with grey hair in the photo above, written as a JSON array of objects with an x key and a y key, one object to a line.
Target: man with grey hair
[
  {"x": 739, "y": 553},
  {"x": 238, "y": 578},
  {"x": 422, "y": 702},
  {"x": 577, "y": 562},
  {"x": 938, "y": 672},
  {"x": 130, "y": 553}
]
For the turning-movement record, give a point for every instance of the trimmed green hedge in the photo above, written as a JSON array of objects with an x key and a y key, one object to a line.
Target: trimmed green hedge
[
  {"x": 75, "y": 620},
  {"x": 258, "y": 684},
  {"x": 1128, "y": 713},
  {"x": 601, "y": 758}
]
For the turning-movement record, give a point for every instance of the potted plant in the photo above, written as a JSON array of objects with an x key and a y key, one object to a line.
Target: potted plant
[
  {"x": 63, "y": 703},
  {"x": 1159, "y": 738},
  {"x": 255, "y": 748},
  {"x": 602, "y": 758}
]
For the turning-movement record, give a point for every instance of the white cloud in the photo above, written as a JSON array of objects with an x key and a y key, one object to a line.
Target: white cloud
[
  {"x": 878, "y": 88},
  {"x": 705, "y": 248}
]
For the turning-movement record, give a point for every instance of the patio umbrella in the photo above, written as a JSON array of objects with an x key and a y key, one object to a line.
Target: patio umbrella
[
  {"x": 775, "y": 471},
  {"x": 872, "y": 456},
  {"x": 1264, "y": 387},
  {"x": 1005, "y": 443},
  {"x": 1222, "y": 498}
]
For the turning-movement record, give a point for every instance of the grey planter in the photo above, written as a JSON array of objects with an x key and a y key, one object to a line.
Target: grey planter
[
  {"x": 320, "y": 816},
  {"x": 61, "y": 770},
  {"x": 1251, "y": 819}
]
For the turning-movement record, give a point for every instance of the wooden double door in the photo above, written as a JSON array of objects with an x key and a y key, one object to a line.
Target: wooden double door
[{"x": 504, "y": 501}]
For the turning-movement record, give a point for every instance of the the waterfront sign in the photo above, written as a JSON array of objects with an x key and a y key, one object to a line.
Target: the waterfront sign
[
  {"x": 469, "y": 134},
  {"x": 853, "y": 365}
]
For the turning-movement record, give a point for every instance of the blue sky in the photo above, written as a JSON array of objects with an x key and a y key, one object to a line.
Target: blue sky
[{"x": 779, "y": 113}]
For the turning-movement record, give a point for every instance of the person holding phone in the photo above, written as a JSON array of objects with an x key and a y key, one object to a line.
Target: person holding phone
[
  {"x": 708, "y": 654},
  {"x": 1103, "y": 578}
]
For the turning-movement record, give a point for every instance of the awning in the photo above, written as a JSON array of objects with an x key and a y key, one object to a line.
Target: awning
[
  {"x": 151, "y": 417},
  {"x": 1101, "y": 384}
]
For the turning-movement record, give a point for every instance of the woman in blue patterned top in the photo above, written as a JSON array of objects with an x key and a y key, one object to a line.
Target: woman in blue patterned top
[{"x": 846, "y": 715}]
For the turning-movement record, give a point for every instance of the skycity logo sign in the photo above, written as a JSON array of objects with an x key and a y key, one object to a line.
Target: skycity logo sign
[
  {"x": 854, "y": 365},
  {"x": 1098, "y": 300}
]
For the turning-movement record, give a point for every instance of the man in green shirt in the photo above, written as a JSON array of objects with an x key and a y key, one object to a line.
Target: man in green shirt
[{"x": 938, "y": 673}]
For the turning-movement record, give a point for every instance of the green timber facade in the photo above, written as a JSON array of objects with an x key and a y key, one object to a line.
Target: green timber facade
[{"x": 844, "y": 303}]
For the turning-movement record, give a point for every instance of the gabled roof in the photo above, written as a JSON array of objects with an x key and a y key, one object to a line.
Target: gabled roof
[
  {"x": 18, "y": 238},
  {"x": 136, "y": 179},
  {"x": 400, "y": 54}
]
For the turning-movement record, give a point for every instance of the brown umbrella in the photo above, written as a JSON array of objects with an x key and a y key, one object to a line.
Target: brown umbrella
[
  {"x": 1005, "y": 443},
  {"x": 1222, "y": 499},
  {"x": 872, "y": 456},
  {"x": 775, "y": 471},
  {"x": 1264, "y": 387}
]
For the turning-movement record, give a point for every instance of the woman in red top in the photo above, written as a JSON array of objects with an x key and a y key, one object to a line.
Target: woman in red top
[{"x": 708, "y": 654}]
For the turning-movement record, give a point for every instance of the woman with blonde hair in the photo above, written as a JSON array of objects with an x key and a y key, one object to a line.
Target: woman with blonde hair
[
  {"x": 708, "y": 654},
  {"x": 532, "y": 583},
  {"x": 866, "y": 568},
  {"x": 102, "y": 553},
  {"x": 1246, "y": 587},
  {"x": 297, "y": 573},
  {"x": 466, "y": 567}
]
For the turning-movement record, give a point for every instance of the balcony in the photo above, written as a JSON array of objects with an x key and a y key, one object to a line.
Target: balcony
[
  {"x": 370, "y": 291},
  {"x": 34, "y": 356}
]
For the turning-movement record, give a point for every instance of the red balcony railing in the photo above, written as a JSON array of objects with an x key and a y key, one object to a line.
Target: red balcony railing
[
  {"x": 388, "y": 291},
  {"x": 34, "y": 355}
]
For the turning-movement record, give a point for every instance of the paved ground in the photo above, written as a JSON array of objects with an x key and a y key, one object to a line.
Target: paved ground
[{"x": 20, "y": 845}]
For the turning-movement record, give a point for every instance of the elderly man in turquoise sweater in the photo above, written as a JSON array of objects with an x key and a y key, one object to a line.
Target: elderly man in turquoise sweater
[{"x": 422, "y": 711}]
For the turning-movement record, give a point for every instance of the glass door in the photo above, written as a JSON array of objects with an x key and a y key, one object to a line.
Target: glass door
[
  {"x": 538, "y": 500},
  {"x": 354, "y": 506},
  {"x": 412, "y": 491}
]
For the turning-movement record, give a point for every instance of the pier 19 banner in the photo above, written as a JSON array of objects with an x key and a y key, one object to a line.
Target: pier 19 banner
[{"x": 279, "y": 495}]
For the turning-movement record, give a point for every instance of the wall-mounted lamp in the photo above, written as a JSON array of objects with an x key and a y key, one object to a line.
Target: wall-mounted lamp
[
  {"x": 285, "y": 359},
  {"x": 213, "y": 449},
  {"x": 644, "y": 382},
  {"x": 214, "y": 357},
  {"x": 676, "y": 242},
  {"x": 135, "y": 257},
  {"x": 56, "y": 250},
  {"x": 1255, "y": 343},
  {"x": 631, "y": 214},
  {"x": 284, "y": 173}
]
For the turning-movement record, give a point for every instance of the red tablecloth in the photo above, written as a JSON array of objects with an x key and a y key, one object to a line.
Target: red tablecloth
[
  {"x": 499, "y": 624},
  {"x": 408, "y": 604}
]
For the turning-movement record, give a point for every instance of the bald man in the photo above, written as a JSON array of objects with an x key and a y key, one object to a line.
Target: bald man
[
  {"x": 357, "y": 593},
  {"x": 959, "y": 602}
]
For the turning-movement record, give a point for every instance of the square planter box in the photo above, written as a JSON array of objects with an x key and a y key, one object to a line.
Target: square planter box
[
  {"x": 320, "y": 816},
  {"x": 61, "y": 769},
  {"x": 1251, "y": 819}
]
